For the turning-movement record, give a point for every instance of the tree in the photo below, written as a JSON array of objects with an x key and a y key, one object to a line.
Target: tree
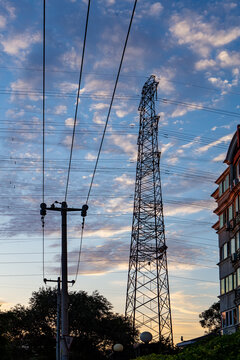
[
  {"x": 29, "y": 332},
  {"x": 211, "y": 318}
]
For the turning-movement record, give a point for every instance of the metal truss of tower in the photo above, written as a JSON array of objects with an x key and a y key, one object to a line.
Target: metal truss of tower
[{"x": 148, "y": 299}]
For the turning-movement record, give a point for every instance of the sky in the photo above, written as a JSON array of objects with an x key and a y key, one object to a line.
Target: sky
[{"x": 192, "y": 47}]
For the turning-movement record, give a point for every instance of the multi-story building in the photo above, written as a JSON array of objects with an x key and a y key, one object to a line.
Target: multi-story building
[{"x": 227, "y": 196}]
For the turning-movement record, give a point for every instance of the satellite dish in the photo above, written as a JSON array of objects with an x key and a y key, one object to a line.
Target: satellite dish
[
  {"x": 146, "y": 337},
  {"x": 118, "y": 347}
]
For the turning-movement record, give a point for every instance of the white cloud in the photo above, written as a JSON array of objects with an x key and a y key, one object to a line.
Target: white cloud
[
  {"x": 155, "y": 9},
  {"x": 121, "y": 113},
  {"x": 229, "y": 59},
  {"x": 204, "y": 64},
  {"x": 27, "y": 90},
  {"x": 225, "y": 85},
  {"x": 69, "y": 122},
  {"x": 99, "y": 106},
  {"x": 71, "y": 59},
  {"x": 199, "y": 35},
  {"x": 147, "y": 10},
  {"x": 220, "y": 157},
  {"x": 163, "y": 119},
  {"x": 229, "y": 6},
  {"x": 19, "y": 44},
  {"x": 125, "y": 180},
  {"x": 105, "y": 232},
  {"x": 90, "y": 157},
  {"x": 223, "y": 139},
  {"x": 10, "y": 8},
  {"x": 165, "y": 147},
  {"x": 181, "y": 111},
  {"x": 99, "y": 119},
  {"x": 97, "y": 86},
  {"x": 68, "y": 140},
  {"x": 164, "y": 76},
  {"x": 221, "y": 127},
  {"x": 3, "y": 22},
  {"x": 172, "y": 160},
  {"x": 67, "y": 86},
  {"x": 193, "y": 208},
  {"x": 191, "y": 143},
  {"x": 223, "y": 59},
  {"x": 127, "y": 144},
  {"x": 60, "y": 109}
]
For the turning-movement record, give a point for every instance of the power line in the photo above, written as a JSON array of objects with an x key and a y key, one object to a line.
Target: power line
[
  {"x": 43, "y": 128},
  {"x": 43, "y": 94},
  {"x": 80, "y": 251},
  {"x": 110, "y": 272},
  {"x": 104, "y": 260},
  {"x": 77, "y": 101},
  {"x": 124, "y": 97},
  {"x": 113, "y": 94},
  {"x": 199, "y": 107}
]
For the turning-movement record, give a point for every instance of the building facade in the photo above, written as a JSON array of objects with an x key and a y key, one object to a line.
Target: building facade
[{"x": 227, "y": 196}]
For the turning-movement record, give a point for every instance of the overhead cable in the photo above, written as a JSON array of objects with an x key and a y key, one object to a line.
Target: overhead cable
[
  {"x": 110, "y": 107},
  {"x": 77, "y": 101},
  {"x": 43, "y": 127}
]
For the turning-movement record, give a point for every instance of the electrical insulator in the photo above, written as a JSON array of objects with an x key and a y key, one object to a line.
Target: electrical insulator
[
  {"x": 43, "y": 207},
  {"x": 84, "y": 210}
]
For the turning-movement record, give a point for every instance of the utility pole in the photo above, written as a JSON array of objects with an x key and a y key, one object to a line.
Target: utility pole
[
  {"x": 148, "y": 298},
  {"x": 64, "y": 269},
  {"x": 58, "y": 319}
]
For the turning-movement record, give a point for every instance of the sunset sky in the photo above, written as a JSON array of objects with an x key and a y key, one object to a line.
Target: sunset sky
[{"x": 193, "y": 49}]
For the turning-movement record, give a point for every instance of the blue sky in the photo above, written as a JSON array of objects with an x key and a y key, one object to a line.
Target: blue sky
[{"x": 192, "y": 48}]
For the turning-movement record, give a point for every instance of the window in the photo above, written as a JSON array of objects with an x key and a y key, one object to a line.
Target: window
[
  {"x": 232, "y": 246},
  {"x": 230, "y": 282},
  {"x": 230, "y": 317},
  {"x": 221, "y": 220},
  {"x": 220, "y": 189},
  {"x": 223, "y": 286},
  {"x": 223, "y": 319},
  {"x": 230, "y": 212},
  {"x": 224, "y": 185},
  {"x": 237, "y": 241},
  {"x": 234, "y": 316},
  {"x": 234, "y": 280},
  {"x": 226, "y": 285},
  {"x": 236, "y": 171},
  {"x": 236, "y": 204},
  {"x": 238, "y": 277},
  {"x": 225, "y": 250},
  {"x": 227, "y": 318}
]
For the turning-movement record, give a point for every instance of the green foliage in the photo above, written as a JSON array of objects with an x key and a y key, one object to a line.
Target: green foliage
[
  {"x": 219, "y": 347},
  {"x": 29, "y": 332},
  {"x": 211, "y": 318}
]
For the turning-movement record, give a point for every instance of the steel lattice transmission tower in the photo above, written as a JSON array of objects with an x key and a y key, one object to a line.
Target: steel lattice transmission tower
[{"x": 148, "y": 299}]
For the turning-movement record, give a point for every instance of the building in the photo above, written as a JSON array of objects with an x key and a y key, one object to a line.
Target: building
[
  {"x": 186, "y": 343},
  {"x": 227, "y": 196}
]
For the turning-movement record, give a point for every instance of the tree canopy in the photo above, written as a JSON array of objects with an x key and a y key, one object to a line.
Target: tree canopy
[
  {"x": 212, "y": 348},
  {"x": 29, "y": 332},
  {"x": 211, "y": 318}
]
